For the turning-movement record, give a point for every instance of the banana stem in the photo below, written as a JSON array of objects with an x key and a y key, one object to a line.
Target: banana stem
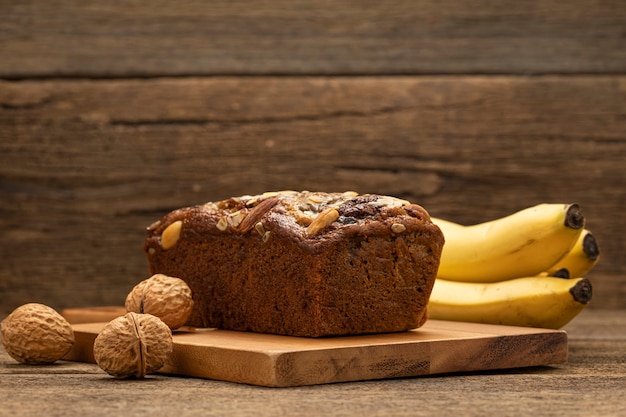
[
  {"x": 561, "y": 273},
  {"x": 582, "y": 291},
  {"x": 590, "y": 247},
  {"x": 574, "y": 217}
]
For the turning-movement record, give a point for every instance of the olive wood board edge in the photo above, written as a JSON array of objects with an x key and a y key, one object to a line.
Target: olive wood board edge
[{"x": 439, "y": 347}]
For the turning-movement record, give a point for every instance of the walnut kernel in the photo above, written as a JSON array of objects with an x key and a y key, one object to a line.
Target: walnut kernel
[
  {"x": 166, "y": 297},
  {"x": 133, "y": 345},
  {"x": 36, "y": 334}
]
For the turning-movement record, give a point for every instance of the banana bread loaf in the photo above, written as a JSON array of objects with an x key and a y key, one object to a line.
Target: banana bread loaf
[{"x": 301, "y": 263}]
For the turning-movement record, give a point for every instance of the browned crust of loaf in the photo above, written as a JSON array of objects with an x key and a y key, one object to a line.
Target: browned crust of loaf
[{"x": 353, "y": 276}]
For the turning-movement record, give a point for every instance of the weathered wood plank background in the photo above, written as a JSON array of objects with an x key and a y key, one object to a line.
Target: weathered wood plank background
[
  {"x": 43, "y": 38},
  {"x": 112, "y": 114}
]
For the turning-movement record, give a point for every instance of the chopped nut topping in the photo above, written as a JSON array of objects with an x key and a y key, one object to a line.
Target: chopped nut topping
[
  {"x": 304, "y": 218},
  {"x": 154, "y": 225},
  {"x": 308, "y": 207},
  {"x": 277, "y": 193},
  {"x": 251, "y": 202},
  {"x": 259, "y": 228},
  {"x": 398, "y": 228},
  {"x": 323, "y": 220},
  {"x": 171, "y": 234},
  {"x": 255, "y": 215},
  {"x": 316, "y": 198},
  {"x": 266, "y": 236},
  {"x": 222, "y": 224},
  {"x": 313, "y": 211},
  {"x": 388, "y": 201},
  {"x": 235, "y": 219}
]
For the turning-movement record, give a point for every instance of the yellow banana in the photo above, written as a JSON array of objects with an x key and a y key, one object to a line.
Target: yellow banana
[
  {"x": 525, "y": 243},
  {"x": 446, "y": 224},
  {"x": 584, "y": 255},
  {"x": 545, "y": 302}
]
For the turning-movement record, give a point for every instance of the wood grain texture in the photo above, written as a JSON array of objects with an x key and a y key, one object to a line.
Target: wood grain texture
[
  {"x": 68, "y": 38},
  {"x": 87, "y": 165},
  {"x": 591, "y": 382},
  {"x": 284, "y": 361}
]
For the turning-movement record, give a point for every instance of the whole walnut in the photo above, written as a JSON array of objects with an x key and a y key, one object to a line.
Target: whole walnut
[
  {"x": 133, "y": 345},
  {"x": 36, "y": 334},
  {"x": 166, "y": 297}
]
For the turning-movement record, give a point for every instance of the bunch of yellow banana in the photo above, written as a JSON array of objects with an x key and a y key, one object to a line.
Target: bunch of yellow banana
[{"x": 525, "y": 269}]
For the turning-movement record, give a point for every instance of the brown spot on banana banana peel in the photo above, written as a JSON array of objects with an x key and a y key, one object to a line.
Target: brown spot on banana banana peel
[
  {"x": 574, "y": 217},
  {"x": 582, "y": 291}
]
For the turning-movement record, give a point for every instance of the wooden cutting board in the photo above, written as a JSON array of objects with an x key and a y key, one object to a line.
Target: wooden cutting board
[{"x": 282, "y": 361}]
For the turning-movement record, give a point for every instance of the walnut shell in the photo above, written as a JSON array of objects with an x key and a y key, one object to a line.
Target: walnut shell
[
  {"x": 36, "y": 334},
  {"x": 133, "y": 345},
  {"x": 166, "y": 297}
]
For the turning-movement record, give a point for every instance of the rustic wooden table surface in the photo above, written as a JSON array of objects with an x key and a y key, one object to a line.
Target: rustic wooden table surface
[{"x": 592, "y": 382}]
